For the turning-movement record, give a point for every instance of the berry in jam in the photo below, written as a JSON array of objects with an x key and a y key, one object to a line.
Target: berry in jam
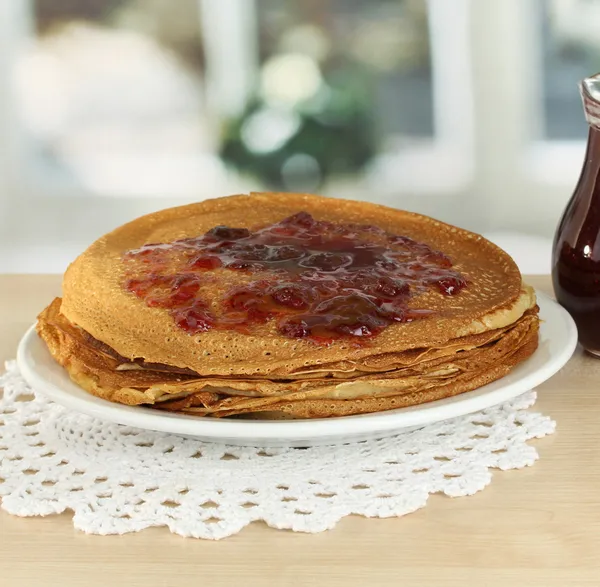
[
  {"x": 194, "y": 318},
  {"x": 226, "y": 233},
  {"x": 316, "y": 279},
  {"x": 205, "y": 262},
  {"x": 292, "y": 296}
]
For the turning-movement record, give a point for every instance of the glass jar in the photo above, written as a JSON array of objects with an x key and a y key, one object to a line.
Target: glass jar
[{"x": 576, "y": 250}]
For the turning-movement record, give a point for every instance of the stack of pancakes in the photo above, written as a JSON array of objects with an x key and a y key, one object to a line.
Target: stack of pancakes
[{"x": 117, "y": 347}]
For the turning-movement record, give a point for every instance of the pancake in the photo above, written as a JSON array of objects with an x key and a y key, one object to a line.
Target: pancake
[
  {"x": 454, "y": 313},
  {"x": 328, "y": 408},
  {"x": 95, "y": 300},
  {"x": 490, "y": 355}
]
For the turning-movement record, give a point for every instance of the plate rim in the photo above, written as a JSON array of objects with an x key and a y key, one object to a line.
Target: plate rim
[{"x": 311, "y": 429}]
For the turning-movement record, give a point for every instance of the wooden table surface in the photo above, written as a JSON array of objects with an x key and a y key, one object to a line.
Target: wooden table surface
[{"x": 535, "y": 527}]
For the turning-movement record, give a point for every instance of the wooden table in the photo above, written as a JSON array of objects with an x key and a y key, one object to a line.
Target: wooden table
[{"x": 534, "y": 527}]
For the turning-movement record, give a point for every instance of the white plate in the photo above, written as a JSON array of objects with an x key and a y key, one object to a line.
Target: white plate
[{"x": 558, "y": 339}]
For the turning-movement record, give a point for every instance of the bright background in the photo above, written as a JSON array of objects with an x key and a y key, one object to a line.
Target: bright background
[{"x": 461, "y": 109}]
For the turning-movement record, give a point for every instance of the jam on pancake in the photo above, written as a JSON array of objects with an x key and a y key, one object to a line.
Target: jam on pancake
[{"x": 318, "y": 280}]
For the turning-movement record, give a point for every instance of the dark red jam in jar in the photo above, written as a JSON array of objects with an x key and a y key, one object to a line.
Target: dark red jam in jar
[
  {"x": 318, "y": 280},
  {"x": 576, "y": 251}
]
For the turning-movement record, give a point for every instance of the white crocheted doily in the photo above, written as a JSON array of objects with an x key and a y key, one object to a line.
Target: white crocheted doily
[{"x": 118, "y": 479}]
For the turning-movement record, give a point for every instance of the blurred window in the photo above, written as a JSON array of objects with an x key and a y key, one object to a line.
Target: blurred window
[
  {"x": 379, "y": 51},
  {"x": 571, "y": 52},
  {"x": 130, "y": 97},
  {"x": 111, "y": 95},
  {"x": 338, "y": 83}
]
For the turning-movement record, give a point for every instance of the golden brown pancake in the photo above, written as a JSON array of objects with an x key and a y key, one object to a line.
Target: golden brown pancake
[
  {"x": 95, "y": 300},
  {"x": 117, "y": 347},
  {"x": 488, "y": 355}
]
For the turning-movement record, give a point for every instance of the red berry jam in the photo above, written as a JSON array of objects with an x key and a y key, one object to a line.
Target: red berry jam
[{"x": 318, "y": 280}]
